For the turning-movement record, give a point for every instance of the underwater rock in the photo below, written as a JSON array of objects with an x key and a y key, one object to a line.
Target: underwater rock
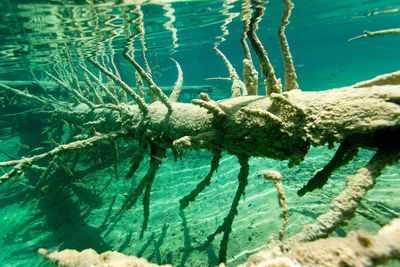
[
  {"x": 89, "y": 257},
  {"x": 358, "y": 248}
]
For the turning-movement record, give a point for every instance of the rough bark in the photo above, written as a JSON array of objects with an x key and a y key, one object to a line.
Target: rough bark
[
  {"x": 282, "y": 126},
  {"x": 279, "y": 126}
]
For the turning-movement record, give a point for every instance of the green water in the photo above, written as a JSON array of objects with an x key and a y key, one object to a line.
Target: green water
[{"x": 81, "y": 211}]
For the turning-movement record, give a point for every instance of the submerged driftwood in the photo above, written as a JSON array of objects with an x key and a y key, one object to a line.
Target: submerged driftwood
[{"x": 280, "y": 125}]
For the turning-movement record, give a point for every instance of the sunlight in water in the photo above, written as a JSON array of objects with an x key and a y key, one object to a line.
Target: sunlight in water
[{"x": 175, "y": 131}]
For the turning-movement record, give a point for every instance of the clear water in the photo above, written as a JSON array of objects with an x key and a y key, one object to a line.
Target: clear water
[{"x": 33, "y": 36}]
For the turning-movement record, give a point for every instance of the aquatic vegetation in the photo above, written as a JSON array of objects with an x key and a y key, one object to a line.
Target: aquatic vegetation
[{"x": 98, "y": 111}]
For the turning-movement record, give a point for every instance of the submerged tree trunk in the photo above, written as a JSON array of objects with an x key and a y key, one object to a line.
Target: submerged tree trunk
[{"x": 282, "y": 126}]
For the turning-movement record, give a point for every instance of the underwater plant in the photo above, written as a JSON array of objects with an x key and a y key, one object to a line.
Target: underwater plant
[{"x": 98, "y": 108}]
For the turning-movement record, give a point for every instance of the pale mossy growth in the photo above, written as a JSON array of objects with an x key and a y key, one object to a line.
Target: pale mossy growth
[
  {"x": 209, "y": 104},
  {"x": 250, "y": 76},
  {"x": 275, "y": 262}
]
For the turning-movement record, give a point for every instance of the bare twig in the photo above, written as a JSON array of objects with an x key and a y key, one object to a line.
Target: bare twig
[
  {"x": 96, "y": 97},
  {"x": 77, "y": 94},
  {"x": 20, "y": 164},
  {"x": 226, "y": 226},
  {"x": 343, "y": 156},
  {"x": 156, "y": 155},
  {"x": 105, "y": 88},
  {"x": 376, "y": 33},
  {"x": 139, "y": 101},
  {"x": 24, "y": 94},
  {"x": 136, "y": 160},
  {"x": 147, "y": 78}
]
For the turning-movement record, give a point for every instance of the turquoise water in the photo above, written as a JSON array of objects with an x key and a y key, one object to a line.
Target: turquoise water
[{"x": 81, "y": 211}]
